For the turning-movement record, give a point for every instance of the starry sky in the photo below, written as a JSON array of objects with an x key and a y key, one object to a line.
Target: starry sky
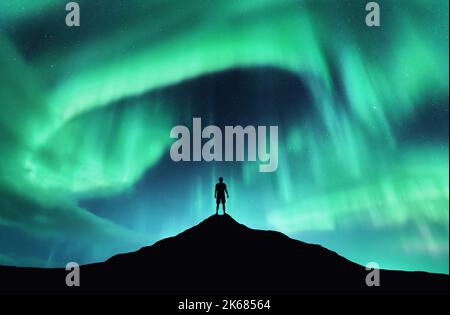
[{"x": 86, "y": 113}]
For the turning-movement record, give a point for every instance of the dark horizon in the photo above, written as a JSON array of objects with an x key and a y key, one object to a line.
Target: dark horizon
[{"x": 222, "y": 256}]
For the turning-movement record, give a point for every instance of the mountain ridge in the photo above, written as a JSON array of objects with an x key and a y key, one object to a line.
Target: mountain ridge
[{"x": 221, "y": 256}]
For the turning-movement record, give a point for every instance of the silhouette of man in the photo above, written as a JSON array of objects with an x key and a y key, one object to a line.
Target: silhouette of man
[{"x": 219, "y": 194}]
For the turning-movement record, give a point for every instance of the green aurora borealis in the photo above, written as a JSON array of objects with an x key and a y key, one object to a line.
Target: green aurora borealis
[{"x": 86, "y": 113}]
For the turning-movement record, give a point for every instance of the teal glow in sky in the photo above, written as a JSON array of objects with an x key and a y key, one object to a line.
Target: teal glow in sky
[{"x": 362, "y": 114}]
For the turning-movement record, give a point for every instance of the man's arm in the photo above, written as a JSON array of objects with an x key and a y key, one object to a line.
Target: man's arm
[
  {"x": 226, "y": 191},
  {"x": 215, "y": 192}
]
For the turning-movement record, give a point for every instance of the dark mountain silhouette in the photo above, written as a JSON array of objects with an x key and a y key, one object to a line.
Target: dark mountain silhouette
[{"x": 221, "y": 256}]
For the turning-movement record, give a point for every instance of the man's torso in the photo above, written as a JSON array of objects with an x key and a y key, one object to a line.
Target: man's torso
[{"x": 220, "y": 188}]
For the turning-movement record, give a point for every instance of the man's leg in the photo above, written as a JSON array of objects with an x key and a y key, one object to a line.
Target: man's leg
[
  {"x": 223, "y": 205},
  {"x": 217, "y": 208}
]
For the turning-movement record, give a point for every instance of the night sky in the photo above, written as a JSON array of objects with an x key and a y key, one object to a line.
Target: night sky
[{"x": 86, "y": 113}]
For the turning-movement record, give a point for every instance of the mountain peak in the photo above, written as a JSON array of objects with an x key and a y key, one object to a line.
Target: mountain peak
[
  {"x": 219, "y": 219},
  {"x": 217, "y": 226},
  {"x": 222, "y": 256}
]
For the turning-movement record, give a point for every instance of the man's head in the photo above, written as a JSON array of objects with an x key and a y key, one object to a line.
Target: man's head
[{"x": 220, "y": 179}]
